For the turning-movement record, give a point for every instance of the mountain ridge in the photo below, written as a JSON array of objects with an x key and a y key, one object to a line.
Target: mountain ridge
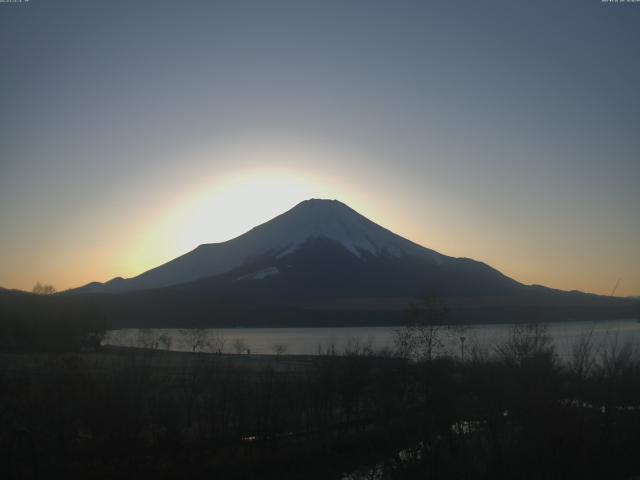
[
  {"x": 281, "y": 235},
  {"x": 321, "y": 263}
]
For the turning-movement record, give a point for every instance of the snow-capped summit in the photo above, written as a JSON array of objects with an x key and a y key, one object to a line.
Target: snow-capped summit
[
  {"x": 335, "y": 221},
  {"x": 309, "y": 220}
]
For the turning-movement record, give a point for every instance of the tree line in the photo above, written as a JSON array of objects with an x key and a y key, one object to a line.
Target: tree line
[{"x": 515, "y": 411}]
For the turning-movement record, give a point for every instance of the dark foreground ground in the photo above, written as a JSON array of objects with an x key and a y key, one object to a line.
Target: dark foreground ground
[{"x": 513, "y": 414}]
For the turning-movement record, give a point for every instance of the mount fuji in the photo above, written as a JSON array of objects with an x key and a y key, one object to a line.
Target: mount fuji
[
  {"x": 312, "y": 239},
  {"x": 323, "y": 263}
]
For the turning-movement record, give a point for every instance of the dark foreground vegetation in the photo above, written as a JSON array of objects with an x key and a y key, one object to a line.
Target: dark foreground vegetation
[
  {"x": 72, "y": 409},
  {"x": 44, "y": 322},
  {"x": 513, "y": 413}
]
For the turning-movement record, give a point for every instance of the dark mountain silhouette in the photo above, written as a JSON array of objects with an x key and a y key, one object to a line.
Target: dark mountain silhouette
[
  {"x": 278, "y": 238},
  {"x": 323, "y": 263},
  {"x": 320, "y": 249}
]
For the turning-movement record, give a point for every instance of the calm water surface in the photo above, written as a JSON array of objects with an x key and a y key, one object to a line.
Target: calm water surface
[{"x": 305, "y": 341}]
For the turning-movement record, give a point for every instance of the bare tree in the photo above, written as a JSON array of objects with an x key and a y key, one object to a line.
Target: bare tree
[
  {"x": 617, "y": 357},
  {"x": 148, "y": 338},
  {"x": 217, "y": 342},
  {"x": 423, "y": 338},
  {"x": 405, "y": 341},
  {"x": 582, "y": 359},
  {"x": 619, "y": 370},
  {"x": 196, "y": 339},
  {"x": 165, "y": 340},
  {"x": 239, "y": 345},
  {"x": 279, "y": 348},
  {"x": 357, "y": 347},
  {"x": 43, "y": 289},
  {"x": 527, "y": 342}
]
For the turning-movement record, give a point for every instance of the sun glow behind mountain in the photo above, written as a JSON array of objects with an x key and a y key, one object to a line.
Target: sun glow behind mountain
[
  {"x": 232, "y": 206},
  {"x": 220, "y": 204}
]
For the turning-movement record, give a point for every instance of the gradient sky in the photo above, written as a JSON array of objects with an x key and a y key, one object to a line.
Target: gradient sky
[{"x": 505, "y": 131}]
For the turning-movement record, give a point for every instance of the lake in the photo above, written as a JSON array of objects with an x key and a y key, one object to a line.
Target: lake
[{"x": 310, "y": 341}]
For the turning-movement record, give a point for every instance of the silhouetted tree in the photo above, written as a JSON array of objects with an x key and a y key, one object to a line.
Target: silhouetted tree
[
  {"x": 526, "y": 343},
  {"x": 239, "y": 345},
  {"x": 149, "y": 338},
  {"x": 165, "y": 340},
  {"x": 582, "y": 360},
  {"x": 217, "y": 342},
  {"x": 197, "y": 339},
  {"x": 423, "y": 337},
  {"x": 43, "y": 289}
]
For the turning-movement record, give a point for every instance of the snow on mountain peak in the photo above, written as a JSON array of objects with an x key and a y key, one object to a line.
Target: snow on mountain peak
[
  {"x": 336, "y": 221},
  {"x": 310, "y": 219}
]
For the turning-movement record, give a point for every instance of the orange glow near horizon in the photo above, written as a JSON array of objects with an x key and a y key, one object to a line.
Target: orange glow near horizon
[
  {"x": 194, "y": 125},
  {"x": 218, "y": 207}
]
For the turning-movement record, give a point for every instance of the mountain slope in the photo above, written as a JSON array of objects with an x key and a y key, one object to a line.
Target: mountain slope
[
  {"x": 322, "y": 263},
  {"x": 321, "y": 268},
  {"x": 311, "y": 219}
]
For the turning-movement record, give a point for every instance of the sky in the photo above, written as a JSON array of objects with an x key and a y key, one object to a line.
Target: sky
[{"x": 504, "y": 131}]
